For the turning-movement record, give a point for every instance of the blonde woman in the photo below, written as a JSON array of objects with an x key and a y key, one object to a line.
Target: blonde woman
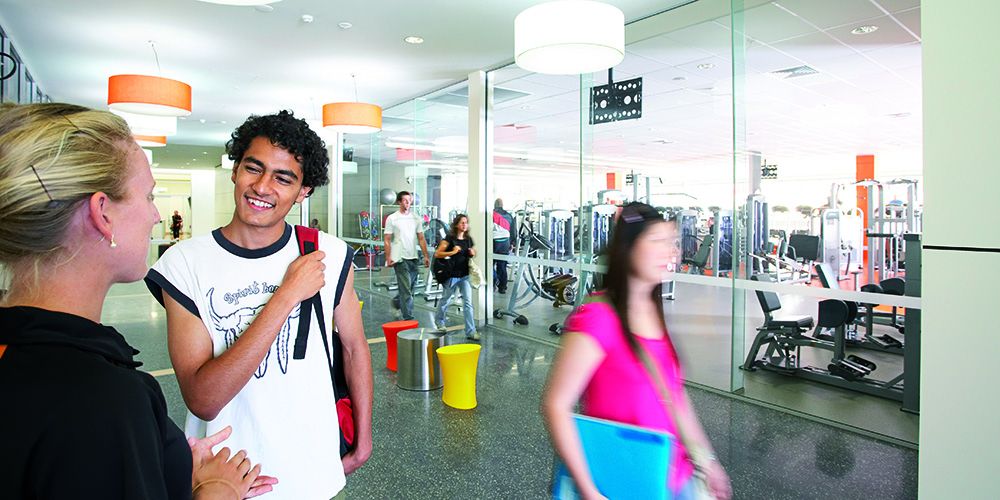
[{"x": 76, "y": 211}]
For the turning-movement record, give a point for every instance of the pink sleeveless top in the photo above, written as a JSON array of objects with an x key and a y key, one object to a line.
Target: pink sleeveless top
[{"x": 621, "y": 390}]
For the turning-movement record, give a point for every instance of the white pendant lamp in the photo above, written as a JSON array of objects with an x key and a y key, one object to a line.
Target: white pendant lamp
[
  {"x": 149, "y": 124},
  {"x": 569, "y": 37}
]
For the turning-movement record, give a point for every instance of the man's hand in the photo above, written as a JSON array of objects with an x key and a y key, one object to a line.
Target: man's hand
[
  {"x": 427, "y": 261},
  {"x": 304, "y": 277},
  {"x": 389, "y": 262},
  {"x": 356, "y": 458}
]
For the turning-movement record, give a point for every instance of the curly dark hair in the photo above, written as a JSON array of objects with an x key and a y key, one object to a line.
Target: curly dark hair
[{"x": 289, "y": 133}]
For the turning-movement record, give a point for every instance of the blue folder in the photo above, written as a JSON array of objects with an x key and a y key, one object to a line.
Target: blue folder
[{"x": 625, "y": 461}]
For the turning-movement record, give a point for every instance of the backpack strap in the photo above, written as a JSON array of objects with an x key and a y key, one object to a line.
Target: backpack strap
[{"x": 308, "y": 240}]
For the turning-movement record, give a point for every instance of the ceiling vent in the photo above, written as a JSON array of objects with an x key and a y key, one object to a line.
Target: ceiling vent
[
  {"x": 794, "y": 72},
  {"x": 395, "y": 124},
  {"x": 460, "y": 97}
]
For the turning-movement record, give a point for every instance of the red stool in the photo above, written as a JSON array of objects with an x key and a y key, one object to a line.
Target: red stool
[{"x": 390, "y": 330}]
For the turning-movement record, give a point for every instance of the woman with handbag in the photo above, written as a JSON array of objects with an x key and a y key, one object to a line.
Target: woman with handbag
[
  {"x": 76, "y": 211},
  {"x": 457, "y": 251},
  {"x": 617, "y": 357}
]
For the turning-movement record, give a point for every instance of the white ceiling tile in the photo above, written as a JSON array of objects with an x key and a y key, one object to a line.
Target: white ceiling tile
[
  {"x": 825, "y": 14},
  {"x": 667, "y": 51},
  {"x": 769, "y": 24},
  {"x": 910, "y": 19},
  {"x": 764, "y": 59},
  {"x": 899, "y": 56},
  {"x": 711, "y": 37},
  {"x": 813, "y": 48},
  {"x": 850, "y": 67},
  {"x": 898, "y": 5}
]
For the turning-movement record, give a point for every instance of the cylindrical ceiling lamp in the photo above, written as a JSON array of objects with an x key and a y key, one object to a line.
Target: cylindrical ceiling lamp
[
  {"x": 569, "y": 37},
  {"x": 150, "y": 141},
  {"x": 149, "y": 124},
  {"x": 352, "y": 117},
  {"x": 149, "y": 95}
]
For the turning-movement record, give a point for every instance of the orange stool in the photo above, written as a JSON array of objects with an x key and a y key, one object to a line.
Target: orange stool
[{"x": 390, "y": 330}]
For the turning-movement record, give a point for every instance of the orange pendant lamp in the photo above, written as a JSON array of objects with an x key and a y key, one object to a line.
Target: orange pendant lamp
[
  {"x": 352, "y": 117},
  {"x": 149, "y": 95},
  {"x": 150, "y": 141}
]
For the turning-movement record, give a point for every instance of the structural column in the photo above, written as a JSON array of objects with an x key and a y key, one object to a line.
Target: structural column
[
  {"x": 480, "y": 188},
  {"x": 959, "y": 398}
]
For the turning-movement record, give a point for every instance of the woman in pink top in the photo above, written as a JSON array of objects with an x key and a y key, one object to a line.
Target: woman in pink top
[{"x": 599, "y": 363}]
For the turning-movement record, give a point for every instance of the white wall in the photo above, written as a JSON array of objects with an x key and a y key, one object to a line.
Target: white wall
[
  {"x": 202, "y": 201},
  {"x": 960, "y": 400}
]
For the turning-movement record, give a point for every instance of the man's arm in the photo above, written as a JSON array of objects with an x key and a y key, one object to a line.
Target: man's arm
[
  {"x": 388, "y": 249},
  {"x": 423, "y": 246},
  {"x": 208, "y": 383},
  {"x": 357, "y": 371},
  {"x": 387, "y": 232}
]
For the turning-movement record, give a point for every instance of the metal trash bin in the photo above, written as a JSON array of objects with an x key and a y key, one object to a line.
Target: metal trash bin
[{"x": 418, "y": 365}]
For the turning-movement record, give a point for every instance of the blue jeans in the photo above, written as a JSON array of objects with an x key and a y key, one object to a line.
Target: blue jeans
[
  {"x": 406, "y": 279},
  {"x": 465, "y": 287}
]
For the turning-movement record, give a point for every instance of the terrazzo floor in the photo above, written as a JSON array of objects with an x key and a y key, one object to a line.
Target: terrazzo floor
[{"x": 424, "y": 449}]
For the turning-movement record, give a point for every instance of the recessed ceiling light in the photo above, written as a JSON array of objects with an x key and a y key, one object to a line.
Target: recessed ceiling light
[
  {"x": 264, "y": 8},
  {"x": 202, "y": 120},
  {"x": 415, "y": 40},
  {"x": 706, "y": 66},
  {"x": 222, "y": 122},
  {"x": 345, "y": 25},
  {"x": 864, "y": 30}
]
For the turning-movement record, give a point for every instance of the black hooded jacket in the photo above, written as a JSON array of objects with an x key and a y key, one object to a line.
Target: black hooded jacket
[{"x": 78, "y": 419}]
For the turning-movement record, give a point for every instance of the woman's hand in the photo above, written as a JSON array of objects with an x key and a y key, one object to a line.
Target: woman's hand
[
  {"x": 201, "y": 453},
  {"x": 718, "y": 481},
  {"x": 225, "y": 477}
]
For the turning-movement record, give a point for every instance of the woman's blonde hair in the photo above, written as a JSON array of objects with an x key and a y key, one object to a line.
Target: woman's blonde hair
[{"x": 53, "y": 157}]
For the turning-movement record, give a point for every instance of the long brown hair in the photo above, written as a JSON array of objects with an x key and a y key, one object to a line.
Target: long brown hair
[
  {"x": 454, "y": 225},
  {"x": 634, "y": 220}
]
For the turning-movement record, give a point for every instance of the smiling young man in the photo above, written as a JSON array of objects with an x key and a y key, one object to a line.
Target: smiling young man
[{"x": 233, "y": 300}]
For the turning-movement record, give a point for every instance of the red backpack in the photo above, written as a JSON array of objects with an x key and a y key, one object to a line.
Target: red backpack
[{"x": 308, "y": 239}]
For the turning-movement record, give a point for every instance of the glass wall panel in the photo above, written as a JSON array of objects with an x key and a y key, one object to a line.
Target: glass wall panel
[
  {"x": 536, "y": 178},
  {"x": 422, "y": 149},
  {"x": 828, "y": 184}
]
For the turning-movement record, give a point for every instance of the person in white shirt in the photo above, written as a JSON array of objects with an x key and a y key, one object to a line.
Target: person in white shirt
[
  {"x": 233, "y": 311},
  {"x": 403, "y": 230}
]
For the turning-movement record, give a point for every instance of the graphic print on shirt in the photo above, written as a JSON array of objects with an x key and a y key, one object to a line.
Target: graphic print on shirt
[{"x": 233, "y": 323}]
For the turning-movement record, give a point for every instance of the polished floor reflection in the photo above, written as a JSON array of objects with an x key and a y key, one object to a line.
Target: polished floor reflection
[{"x": 424, "y": 449}]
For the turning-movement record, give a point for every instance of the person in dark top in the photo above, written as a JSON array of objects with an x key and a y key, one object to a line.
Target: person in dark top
[
  {"x": 80, "y": 421},
  {"x": 503, "y": 236},
  {"x": 457, "y": 247},
  {"x": 176, "y": 224}
]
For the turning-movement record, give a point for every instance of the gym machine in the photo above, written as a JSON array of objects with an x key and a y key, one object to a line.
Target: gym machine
[
  {"x": 782, "y": 339},
  {"x": 863, "y": 316}
]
